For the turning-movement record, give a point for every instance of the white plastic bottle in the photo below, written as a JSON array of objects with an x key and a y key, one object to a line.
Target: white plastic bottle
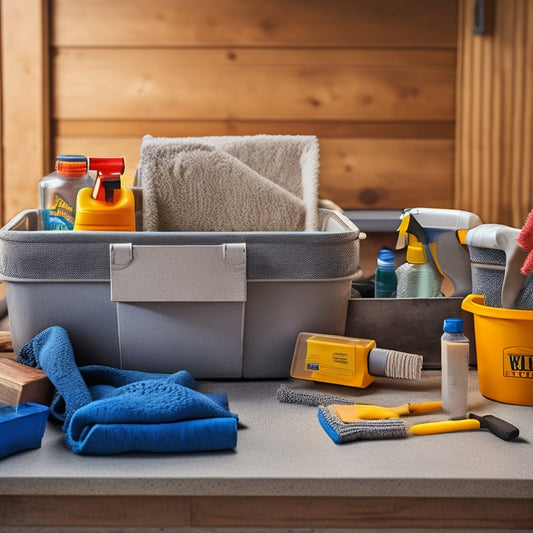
[
  {"x": 454, "y": 362},
  {"x": 416, "y": 277},
  {"x": 58, "y": 191}
]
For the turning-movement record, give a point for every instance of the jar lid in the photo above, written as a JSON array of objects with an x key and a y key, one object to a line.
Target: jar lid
[
  {"x": 71, "y": 166},
  {"x": 453, "y": 325}
]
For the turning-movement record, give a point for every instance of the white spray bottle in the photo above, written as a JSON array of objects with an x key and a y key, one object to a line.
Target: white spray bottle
[
  {"x": 444, "y": 232},
  {"x": 417, "y": 278}
]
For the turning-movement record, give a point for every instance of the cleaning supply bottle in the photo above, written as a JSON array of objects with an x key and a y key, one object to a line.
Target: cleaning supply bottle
[
  {"x": 416, "y": 277},
  {"x": 107, "y": 206},
  {"x": 454, "y": 363},
  {"x": 442, "y": 231},
  {"x": 58, "y": 191},
  {"x": 385, "y": 278},
  {"x": 349, "y": 361}
]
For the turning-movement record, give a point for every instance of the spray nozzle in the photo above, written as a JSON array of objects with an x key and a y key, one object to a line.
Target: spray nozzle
[
  {"x": 411, "y": 234},
  {"x": 107, "y": 165},
  {"x": 109, "y": 170},
  {"x": 409, "y": 227}
]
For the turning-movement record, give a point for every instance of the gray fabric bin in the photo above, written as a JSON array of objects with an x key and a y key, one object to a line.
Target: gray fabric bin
[{"x": 221, "y": 305}]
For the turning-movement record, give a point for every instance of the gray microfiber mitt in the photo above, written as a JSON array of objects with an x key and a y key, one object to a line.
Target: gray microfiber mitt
[
  {"x": 496, "y": 259},
  {"x": 306, "y": 396},
  {"x": 525, "y": 298},
  {"x": 340, "y": 432}
]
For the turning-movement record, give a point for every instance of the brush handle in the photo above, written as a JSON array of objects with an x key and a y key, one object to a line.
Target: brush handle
[
  {"x": 499, "y": 427},
  {"x": 421, "y": 408},
  {"x": 445, "y": 426}
]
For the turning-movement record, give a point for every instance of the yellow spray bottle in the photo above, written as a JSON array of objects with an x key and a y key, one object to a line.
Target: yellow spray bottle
[{"x": 107, "y": 206}]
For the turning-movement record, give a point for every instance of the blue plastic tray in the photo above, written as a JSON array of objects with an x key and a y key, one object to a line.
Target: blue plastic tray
[{"x": 21, "y": 427}]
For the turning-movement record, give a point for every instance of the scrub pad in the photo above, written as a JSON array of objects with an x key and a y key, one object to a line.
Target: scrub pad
[{"x": 340, "y": 432}]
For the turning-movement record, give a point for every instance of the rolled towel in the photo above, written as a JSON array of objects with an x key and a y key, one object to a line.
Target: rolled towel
[{"x": 250, "y": 183}]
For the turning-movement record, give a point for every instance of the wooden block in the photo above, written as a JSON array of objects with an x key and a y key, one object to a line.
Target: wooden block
[
  {"x": 5, "y": 341},
  {"x": 20, "y": 383}
]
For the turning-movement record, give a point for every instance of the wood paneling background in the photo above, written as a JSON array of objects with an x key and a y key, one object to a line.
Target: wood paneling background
[
  {"x": 374, "y": 80},
  {"x": 494, "y": 145},
  {"x": 409, "y": 106},
  {"x": 26, "y": 123}
]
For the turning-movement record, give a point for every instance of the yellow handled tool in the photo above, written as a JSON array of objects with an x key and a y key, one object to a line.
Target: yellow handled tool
[
  {"x": 353, "y": 413},
  {"x": 502, "y": 429},
  {"x": 445, "y": 426}
]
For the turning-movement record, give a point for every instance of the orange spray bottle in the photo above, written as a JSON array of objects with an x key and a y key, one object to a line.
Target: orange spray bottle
[{"x": 107, "y": 206}]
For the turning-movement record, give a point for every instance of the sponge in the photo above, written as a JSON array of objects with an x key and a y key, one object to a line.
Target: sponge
[{"x": 340, "y": 432}]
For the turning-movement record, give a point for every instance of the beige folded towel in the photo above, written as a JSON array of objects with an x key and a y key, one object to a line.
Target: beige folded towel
[{"x": 249, "y": 183}]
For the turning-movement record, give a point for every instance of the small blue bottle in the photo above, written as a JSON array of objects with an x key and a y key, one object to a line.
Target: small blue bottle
[{"x": 386, "y": 281}]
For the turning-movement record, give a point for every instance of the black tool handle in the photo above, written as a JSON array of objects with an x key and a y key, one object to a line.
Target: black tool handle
[{"x": 499, "y": 427}]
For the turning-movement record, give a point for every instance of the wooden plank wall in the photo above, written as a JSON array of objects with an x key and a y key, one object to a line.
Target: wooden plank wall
[
  {"x": 25, "y": 128},
  {"x": 374, "y": 80},
  {"x": 494, "y": 143}
]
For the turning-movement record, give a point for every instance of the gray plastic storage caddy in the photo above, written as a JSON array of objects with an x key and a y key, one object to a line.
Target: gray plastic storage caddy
[{"x": 221, "y": 305}]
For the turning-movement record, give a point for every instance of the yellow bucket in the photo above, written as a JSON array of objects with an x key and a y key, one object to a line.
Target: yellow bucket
[{"x": 504, "y": 346}]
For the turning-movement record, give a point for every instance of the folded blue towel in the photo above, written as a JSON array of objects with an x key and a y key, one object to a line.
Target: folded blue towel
[{"x": 109, "y": 410}]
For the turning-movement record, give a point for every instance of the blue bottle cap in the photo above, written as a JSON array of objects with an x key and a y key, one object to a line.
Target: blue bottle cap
[
  {"x": 453, "y": 325},
  {"x": 385, "y": 257}
]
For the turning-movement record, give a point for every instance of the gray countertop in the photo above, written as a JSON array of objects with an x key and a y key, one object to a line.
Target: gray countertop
[{"x": 283, "y": 450}]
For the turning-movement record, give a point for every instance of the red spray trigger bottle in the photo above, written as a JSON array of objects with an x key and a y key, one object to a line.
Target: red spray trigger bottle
[
  {"x": 109, "y": 170},
  {"x": 107, "y": 206}
]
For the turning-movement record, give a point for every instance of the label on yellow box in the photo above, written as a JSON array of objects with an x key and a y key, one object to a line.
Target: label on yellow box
[{"x": 333, "y": 358}]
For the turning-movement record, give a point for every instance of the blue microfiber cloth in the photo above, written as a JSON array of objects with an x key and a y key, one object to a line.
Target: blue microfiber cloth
[{"x": 109, "y": 410}]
